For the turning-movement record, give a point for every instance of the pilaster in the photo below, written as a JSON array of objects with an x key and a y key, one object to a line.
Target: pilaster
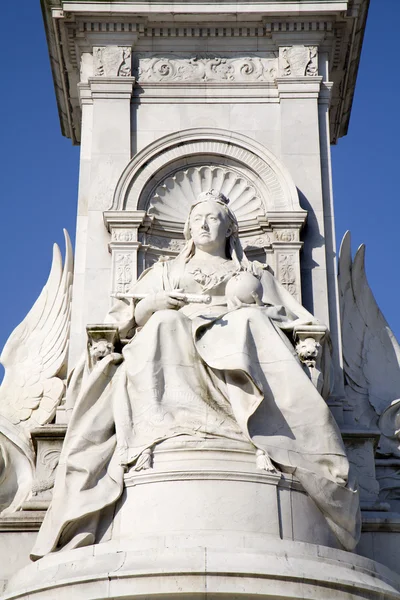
[{"x": 105, "y": 96}]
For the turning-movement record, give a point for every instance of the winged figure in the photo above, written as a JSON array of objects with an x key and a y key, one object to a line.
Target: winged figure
[
  {"x": 371, "y": 353},
  {"x": 34, "y": 358}
]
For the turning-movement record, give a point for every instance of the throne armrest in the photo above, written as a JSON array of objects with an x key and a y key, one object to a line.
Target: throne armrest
[
  {"x": 102, "y": 340},
  {"x": 308, "y": 346}
]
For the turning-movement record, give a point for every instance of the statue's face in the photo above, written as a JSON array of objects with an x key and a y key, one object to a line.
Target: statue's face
[{"x": 209, "y": 225}]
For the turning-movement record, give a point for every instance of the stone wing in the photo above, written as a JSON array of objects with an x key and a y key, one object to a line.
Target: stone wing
[
  {"x": 371, "y": 353},
  {"x": 35, "y": 354}
]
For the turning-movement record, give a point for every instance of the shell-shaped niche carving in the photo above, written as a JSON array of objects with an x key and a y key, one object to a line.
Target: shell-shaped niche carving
[{"x": 173, "y": 197}]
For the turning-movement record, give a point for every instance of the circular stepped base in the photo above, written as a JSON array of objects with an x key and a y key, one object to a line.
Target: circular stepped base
[{"x": 205, "y": 521}]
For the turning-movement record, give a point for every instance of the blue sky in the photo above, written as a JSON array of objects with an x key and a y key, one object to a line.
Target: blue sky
[{"x": 40, "y": 167}]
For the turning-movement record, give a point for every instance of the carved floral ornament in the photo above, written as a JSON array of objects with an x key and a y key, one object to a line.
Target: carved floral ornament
[
  {"x": 205, "y": 68},
  {"x": 298, "y": 61},
  {"x": 112, "y": 61}
]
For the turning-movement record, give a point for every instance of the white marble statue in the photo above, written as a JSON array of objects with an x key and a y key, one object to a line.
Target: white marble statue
[
  {"x": 371, "y": 352},
  {"x": 224, "y": 368},
  {"x": 34, "y": 358}
]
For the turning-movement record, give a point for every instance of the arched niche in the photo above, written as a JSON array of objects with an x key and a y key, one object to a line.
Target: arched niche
[{"x": 158, "y": 186}]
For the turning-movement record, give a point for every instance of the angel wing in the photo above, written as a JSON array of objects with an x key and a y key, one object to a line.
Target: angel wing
[
  {"x": 34, "y": 358},
  {"x": 371, "y": 353},
  {"x": 35, "y": 354}
]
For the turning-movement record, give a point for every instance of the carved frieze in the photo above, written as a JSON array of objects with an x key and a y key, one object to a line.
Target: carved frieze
[
  {"x": 112, "y": 61},
  {"x": 298, "y": 61},
  {"x": 286, "y": 235},
  {"x": 164, "y": 243},
  {"x": 257, "y": 241},
  {"x": 122, "y": 235},
  {"x": 204, "y": 68}
]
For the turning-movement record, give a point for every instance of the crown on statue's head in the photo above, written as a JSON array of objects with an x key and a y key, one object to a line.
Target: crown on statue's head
[{"x": 212, "y": 195}]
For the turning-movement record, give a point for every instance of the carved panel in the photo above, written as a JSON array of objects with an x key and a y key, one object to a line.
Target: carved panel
[
  {"x": 112, "y": 61},
  {"x": 287, "y": 272},
  {"x": 123, "y": 272},
  {"x": 204, "y": 68},
  {"x": 286, "y": 235},
  {"x": 257, "y": 241},
  {"x": 298, "y": 61},
  {"x": 164, "y": 243},
  {"x": 122, "y": 235}
]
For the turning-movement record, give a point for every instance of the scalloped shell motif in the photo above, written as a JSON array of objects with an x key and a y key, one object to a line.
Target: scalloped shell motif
[{"x": 175, "y": 195}]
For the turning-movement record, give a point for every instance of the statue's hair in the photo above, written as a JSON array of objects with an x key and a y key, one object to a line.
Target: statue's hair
[{"x": 234, "y": 249}]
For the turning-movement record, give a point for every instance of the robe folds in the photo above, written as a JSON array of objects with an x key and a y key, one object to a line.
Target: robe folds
[{"x": 207, "y": 371}]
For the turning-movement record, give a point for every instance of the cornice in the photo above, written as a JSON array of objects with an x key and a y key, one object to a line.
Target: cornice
[{"x": 76, "y": 26}]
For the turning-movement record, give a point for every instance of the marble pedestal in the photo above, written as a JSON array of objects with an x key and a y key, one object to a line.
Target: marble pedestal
[{"x": 205, "y": 520}]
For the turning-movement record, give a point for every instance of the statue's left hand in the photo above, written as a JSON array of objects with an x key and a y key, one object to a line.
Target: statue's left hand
[{"x": 233, "y": 302}]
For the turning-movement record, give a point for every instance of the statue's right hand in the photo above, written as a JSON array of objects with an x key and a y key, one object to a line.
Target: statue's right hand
[
  {"x": 164, "y": 300},
  {"x": 154, "y": 302}
]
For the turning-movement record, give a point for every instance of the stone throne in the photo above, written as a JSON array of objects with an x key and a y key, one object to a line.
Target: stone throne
[{"x": 154, "y": 194}]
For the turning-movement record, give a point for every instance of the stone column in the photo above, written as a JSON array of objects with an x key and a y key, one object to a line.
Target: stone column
[
  {"x": 304, "y": 101},
  {"x": 330, "y": 244},
  {"x": 300, "y": 151},
  {"x": 106, "y": 150}
]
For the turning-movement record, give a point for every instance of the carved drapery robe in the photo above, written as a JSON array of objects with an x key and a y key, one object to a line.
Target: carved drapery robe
[{"x": 203, "y": 370}]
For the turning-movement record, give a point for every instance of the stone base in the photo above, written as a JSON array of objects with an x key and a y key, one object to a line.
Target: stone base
[
  {"x": 186, "y": 566},
  {"x": 205, "y": 520},
  {"x": 213, "y": 485}
]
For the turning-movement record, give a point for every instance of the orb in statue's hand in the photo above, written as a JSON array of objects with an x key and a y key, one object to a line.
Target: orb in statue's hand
[{"x": 245, "y": 287}]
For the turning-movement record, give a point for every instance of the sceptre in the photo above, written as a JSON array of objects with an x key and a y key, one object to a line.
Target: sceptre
[{"x": 190, "y": 298}]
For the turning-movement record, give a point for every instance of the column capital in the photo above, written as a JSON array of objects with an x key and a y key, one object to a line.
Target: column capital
[
  {"x": 298, "y": 87},
  {"x": 111, "y": 87}
]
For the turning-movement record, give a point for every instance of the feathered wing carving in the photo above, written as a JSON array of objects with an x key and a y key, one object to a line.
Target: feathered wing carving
[
  {"x": 34, "y": 358},
  {"x": 371, "y": 353}
]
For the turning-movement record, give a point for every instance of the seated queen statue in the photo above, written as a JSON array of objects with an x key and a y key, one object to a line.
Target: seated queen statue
[{"x": 207, "y": 354}]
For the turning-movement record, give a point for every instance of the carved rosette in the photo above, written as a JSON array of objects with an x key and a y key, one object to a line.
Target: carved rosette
[{"x": 298, "y": 61}]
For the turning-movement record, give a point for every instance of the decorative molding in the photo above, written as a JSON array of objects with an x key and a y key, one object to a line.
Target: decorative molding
[
  {"x": 298, "y": 61},
  {"x": 112, "y": 61},
  {"x": 204, "y": 68},
  {"x": 191, "y": 30},
  {"x": 267, "y": 174}
]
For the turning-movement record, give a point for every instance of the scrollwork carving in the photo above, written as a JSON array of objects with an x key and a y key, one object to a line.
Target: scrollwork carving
[
  {"x": 285, "y": 235},
  {"x": 165, "y": 243},
  {"x": 205, "y": 68},
  {"x": 122, "y": 235},
  {"x": 257, "y": 241}
]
